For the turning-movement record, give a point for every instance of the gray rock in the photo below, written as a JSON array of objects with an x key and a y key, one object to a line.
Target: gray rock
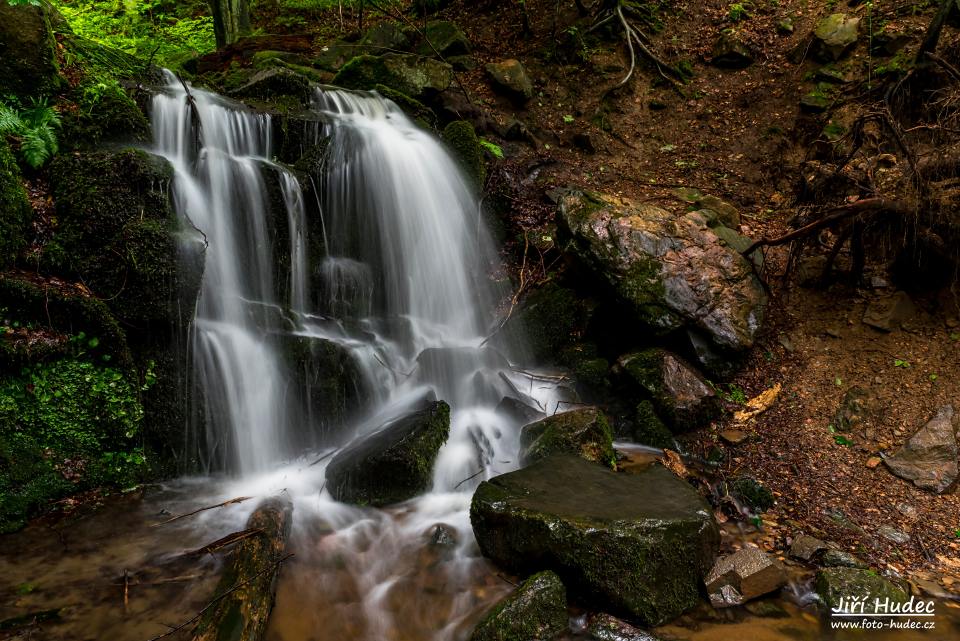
[
  {"x": 393, "y": 464},
  {"x": 584, "y": 432},
  {"x": 639, "y": 543},
  {"x": 671, "y": 271},
  {"x": 834, "y": 584},
  {"x": 834, "y": 558},
  {"x": 749, "y": 573},
  {"x": 730, "y": 52},
  {"x": 893, "y": 535},
  {"x": 444, "y": 38},
  {"x": 535, "y": 611},
  {"x": 510, "y": 76},
  {"x": 889, "y": 313},
  {"x": 806, "y": 547},
  {"x": 679, "y": 394},
  {"x": 834, "y": 36},
  {"x": 929, "y": 457},
  {"x": 603, "y": 627}
]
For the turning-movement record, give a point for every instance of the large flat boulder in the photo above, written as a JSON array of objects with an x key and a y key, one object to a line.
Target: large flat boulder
[
  {"x": 671, "y": 270},
  {"x": 929, "y": 457},
  {"x": 393, "y": 464},
  {"x": 584, "y": 432},
  {"x": 636, "y": 544}
]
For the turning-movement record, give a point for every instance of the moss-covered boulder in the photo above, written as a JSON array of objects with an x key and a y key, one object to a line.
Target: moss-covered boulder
[
  {"x": 393, "y": 464},
  {"x": 649, "y": 429},
  {"x": 105, "y": 113},
  {"x": 680, "y": 395},
  {"x": 637, "y": 544},
  {"x": 510, "y": 77},
  {"x": 28, "y": 50},
  {"x": 418, "y": 111},
  {"x": 584, "y": 432},
  {"x": 462, "y": 139},
  {"x": 445, "y": 38},
  {"x": 671, "y": 271},
  {"x": 15, "y": 210},
  {"x": 834, "y": 36},
  {"x": 410, "y": 74},
  {"x": 535, "y": 611},
  {"x": 842, "y": 583},
  {"x": 117, "y": 231},
  {"x": 273, "y": 83}
]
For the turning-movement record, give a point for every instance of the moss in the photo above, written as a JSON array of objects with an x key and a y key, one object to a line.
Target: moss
[
  {"x": 752, "y": 493},
  {"x": 65, "y": 426},
  {"x": 422, "y": 114},
  {"x": 117, "y": 231},
  {"x": 643, "y": 286},
  {"x": 28, "y": 51},
  {"x": 552, "y": 317},
  {"x": 537, "y": 609},
  {"x": 104, "y": 113},
  {"x": 649, "y": 429},
  {"x": 834, "y": 584},
  {"x": 406, "y": 73},
  {"x": 15, "y": 210},
  {"x": 584, "y": 432},
  {"x": 462, "y": 139}
]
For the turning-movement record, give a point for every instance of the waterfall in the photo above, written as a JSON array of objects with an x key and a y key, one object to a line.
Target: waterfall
[{"x": 400, "y": 281}]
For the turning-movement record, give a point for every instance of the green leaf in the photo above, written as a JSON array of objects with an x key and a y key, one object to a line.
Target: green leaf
[
  {"x": 493, "y": 148},
  {"x": 840, "y": 439},
  {"x": 567, "y": 118}
]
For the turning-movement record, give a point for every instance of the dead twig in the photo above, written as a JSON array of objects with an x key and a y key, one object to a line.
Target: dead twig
[
  {"x": 239, "y": 499},
  {"x": 223, "y": 542}
]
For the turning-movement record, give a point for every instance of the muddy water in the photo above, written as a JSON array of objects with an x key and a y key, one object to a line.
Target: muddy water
[{"x": 356, "y": 575}]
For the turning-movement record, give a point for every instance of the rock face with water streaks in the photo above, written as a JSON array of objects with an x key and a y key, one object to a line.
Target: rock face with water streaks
[
  {"x": 535, "y": 611},
  {"x": 584, "y": 432},
  {"x": 671, "y": 271},
  {"x": 394, "y": 463},
  {"x": 929, "y": 457},
  {"x": 638, "y": 544}
]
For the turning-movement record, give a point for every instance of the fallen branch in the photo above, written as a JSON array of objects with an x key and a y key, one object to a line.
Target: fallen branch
[
  {"x": 239, "y": 499},
  {"x": 223, "y": 542}
]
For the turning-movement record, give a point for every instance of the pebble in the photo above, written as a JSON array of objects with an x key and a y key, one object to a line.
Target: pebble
[
  {"x": 873, "y": 462},
  {"x": 734, "y": 437}
]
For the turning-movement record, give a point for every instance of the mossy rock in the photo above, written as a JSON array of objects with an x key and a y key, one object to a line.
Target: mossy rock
[
  {"x": 841, "y": 583},
  {"x": 274, "y": 83},
  {"x": 462, "y": 139},
  {"x": 418, "y": 111},
  {"x": 752, "y": 493},
  {"x": 584, "y": 432},
  {"x": 393, "y": 464},
  {"x": 649, "y": 429},
  {"x": 386, "y": 37},
  {"x": 407, "y": 73},
  {"x": 446, "y": 38},
  {"x": 118, "y": 232},
  {"x": 28, "y": 50},
  {"x": 15, "y": 210},
  {"x": 549, "y": 319},
  {"x": 678, "y": 392},
  {"x": 105, "y": 113},
  {"x": 535, "y": 611},
  {"x": 637, "y": 544}
]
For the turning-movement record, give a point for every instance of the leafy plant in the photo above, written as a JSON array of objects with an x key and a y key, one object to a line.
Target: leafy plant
[
  {"x": 840, "y": 439},
  {"x": 493, "y": 148},
  {"x": 899, "y": 362},
  {"x": 34, "y": 128},
  {"x": 737, "y": 12}
]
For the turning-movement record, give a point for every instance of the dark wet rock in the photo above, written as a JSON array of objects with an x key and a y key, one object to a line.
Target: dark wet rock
[
  {"x": 744, "y": 575},
  {"x": 834, "y": 558},
  {"x": 394, "y": 463},
  {"x": 731, "y": 52},
  {"x": 511, "y": 78},
  {"x": 752, "y": 493},
  {"x": 806, "y": 547},
  {"x": 670, "y": 271},
  {"x": 889, "y": 313},
  {"x": 445, "y": 38},
  {"x": 834, "y": 584},
  {"x": 929, "y": 457},
  {"x": 584, "y": 432},
  {"x": 535, "y": 611},
  {"x": 28, "y": 50},
  {"x": 680, "y": 395},
  {"x": 443, "y": 536},
  {"x": 410, "y": 74},
  {"x": 834, "y": 36},
  {"x": 386, "y": 37},
  {"x": 519, "y": 412},
  {"x": 273, "y": 83},
  {"x": 649, "y": 429},
  {"x": 855, "y": 407},
  {"x": 603, "y": 627},
  {"x": 638, "y": 544}
]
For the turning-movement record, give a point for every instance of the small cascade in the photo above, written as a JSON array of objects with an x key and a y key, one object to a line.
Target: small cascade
[{"x": 397, "y": 278}]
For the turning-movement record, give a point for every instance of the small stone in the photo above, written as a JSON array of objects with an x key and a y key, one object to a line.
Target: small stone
[
  {"x": 443, "y": 536},
  {"x": 734, "y": 437},
  {"x": 744, "y": 575},
  {"x": 785, "y": 26},
  {"x": 806, "y": 547},
  {"x": 511, "y": 77},
  {"x": 730, "y": 52},
  {"x": 856, "y": 406},
  {"x": 603, "y": 627},
  {"x": 834, "y": 36},
  {"x": 909, "y": 511},
  {"x": 888, "y": 314},
  {"x": 893, "y": 535},
  {"x": 834, "y": 332},
  {"x": 786, "y": 342},
  {"x": 873, "y": 462},
  {"x": 929, "y": 457}
]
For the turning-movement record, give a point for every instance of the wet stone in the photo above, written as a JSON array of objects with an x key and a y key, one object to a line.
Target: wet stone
[
  {"x": 744, "y": 575},
  {"x": 603, "y": 627},
  {"x": 929, "y": 457},
  {"x": 806, "y": 547}
]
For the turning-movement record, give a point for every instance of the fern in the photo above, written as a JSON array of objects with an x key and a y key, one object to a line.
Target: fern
[{"x": 34, "y": 128}]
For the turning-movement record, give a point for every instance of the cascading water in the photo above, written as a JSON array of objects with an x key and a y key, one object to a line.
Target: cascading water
[{"x": 402, "y": 286}]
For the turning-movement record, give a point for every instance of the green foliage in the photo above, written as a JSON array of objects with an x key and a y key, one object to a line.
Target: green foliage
[
  {"x": 168, "y": 32},
  {"x": 492, "y": 147},
  {"x": 34, "y": 128},
  {"x": 17, "y": 3},
  {"x": 737, "y": 12},
  {"x": 902, "y": 364}
]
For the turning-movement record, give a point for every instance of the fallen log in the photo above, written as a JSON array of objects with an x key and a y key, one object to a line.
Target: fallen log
[{"x": 247, "y": 588}]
